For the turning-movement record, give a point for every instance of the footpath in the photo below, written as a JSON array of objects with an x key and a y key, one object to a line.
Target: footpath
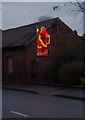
[{"x": 75, "y": 93}]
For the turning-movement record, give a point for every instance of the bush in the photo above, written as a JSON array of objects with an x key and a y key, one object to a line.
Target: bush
[{"x": 71, "y": 73}]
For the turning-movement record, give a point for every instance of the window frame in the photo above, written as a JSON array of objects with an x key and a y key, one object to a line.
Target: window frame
[
  {"x": 9, "y": 66},
  {"x": 34, "y": 67}
]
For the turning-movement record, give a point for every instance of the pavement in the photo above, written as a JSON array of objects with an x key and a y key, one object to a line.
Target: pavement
[{"x": 76, "y": 93}]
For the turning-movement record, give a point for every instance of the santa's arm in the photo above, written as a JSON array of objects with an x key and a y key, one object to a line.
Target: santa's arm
[
  {"x": 44, "y": 45},
  {"x": 37, "y": 30},
  {"x": 48, "y": 37}
]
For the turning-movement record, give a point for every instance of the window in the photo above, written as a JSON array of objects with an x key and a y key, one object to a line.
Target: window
[
  {"x": 34, "y": 67},
  {"x": 43, "y": 42},
  {"x": 9, "y": 64}
]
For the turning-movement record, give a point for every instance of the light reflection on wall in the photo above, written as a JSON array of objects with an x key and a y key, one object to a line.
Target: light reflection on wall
[{"x": 43, "y": 41}]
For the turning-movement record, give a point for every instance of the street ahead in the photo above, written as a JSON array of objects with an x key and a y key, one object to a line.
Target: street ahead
[{"x": 19, "y": 104}]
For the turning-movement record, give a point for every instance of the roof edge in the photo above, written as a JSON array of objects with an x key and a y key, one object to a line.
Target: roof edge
[{"x": 31, "y": 24}]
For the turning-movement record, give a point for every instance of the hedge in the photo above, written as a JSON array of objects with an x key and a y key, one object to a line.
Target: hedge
[{"x": 70, "y": 73}]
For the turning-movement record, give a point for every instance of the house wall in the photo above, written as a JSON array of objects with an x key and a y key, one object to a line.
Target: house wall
[
  {"x": 19, "y": 65},
  {"x": 41, "y": 67},
  {"x": 63, "y": 40}
]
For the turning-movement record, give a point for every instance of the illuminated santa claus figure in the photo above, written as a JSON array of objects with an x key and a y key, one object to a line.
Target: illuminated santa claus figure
[{"x": 43, "y": 41}]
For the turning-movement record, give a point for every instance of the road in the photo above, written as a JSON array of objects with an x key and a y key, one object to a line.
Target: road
[{"x": 19, "y": 104}]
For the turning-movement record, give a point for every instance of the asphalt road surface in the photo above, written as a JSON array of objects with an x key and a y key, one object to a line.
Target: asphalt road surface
[{"x": 19, "y": 104}]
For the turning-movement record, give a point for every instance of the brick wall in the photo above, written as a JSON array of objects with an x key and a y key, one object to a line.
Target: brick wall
[
  {"x": 19, "y": 65},
  {"x": 63, "y": 40}
]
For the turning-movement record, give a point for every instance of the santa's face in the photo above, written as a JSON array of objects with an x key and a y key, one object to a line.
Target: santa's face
[{"x": 43, "y": 29}]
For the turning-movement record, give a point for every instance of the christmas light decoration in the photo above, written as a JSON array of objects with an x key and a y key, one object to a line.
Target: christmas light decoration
[{"x": 43, "y": 41}]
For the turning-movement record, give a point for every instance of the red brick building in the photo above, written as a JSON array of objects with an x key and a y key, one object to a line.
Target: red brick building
[{"x": 21, "y": 64}]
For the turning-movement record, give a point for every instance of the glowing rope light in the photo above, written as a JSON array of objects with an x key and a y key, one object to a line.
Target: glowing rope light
[{"x": 43, "y": 41}]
